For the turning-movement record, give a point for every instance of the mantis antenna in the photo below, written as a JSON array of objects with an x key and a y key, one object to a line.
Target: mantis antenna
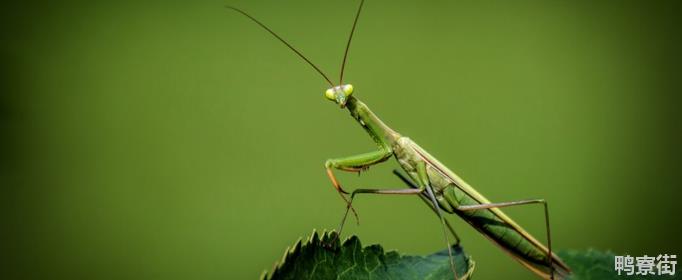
[
  {"x": 350, "y": 37},
  {"x": 287, "y": 44}
]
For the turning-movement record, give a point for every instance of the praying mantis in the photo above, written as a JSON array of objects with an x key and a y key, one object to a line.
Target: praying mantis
[{"x": 426, "y": 177}]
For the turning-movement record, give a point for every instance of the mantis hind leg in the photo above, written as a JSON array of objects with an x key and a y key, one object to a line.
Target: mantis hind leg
[{"x": 516, "y": 203}]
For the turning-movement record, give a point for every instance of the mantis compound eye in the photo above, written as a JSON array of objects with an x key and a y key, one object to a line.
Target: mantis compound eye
[
  {"x": 347, "y": 89},
  {"x": 329, "y": 94}
]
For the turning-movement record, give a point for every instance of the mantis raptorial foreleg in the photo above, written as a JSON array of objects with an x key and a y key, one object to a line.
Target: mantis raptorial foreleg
[
  {"x": 354, "y": 163},
  {"x": 516, "y": 203}
]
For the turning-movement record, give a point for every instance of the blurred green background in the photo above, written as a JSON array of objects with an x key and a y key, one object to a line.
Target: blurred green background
[{"x": 178, "y": 140}]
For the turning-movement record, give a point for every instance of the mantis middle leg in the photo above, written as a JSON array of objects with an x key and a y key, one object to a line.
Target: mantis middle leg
[
  {"x": 423, "y": 188},
  {"x": 409, "y": 182}
]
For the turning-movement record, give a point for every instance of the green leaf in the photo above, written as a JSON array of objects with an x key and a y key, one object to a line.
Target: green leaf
[
  {"x": 324, "y": 257},
  {"x": 593, "y": 264}
]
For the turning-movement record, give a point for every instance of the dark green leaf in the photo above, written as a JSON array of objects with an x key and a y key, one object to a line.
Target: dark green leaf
[{"x": 324, "y": 257}]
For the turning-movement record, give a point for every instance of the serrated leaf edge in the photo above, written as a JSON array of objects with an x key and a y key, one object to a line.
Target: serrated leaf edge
[{"x": 325, "y": 235}]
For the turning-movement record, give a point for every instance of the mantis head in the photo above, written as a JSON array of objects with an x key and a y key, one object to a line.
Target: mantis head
[{"x": 339, "y": 94}]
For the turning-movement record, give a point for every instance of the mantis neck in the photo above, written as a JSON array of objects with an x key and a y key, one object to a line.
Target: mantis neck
[{"x": 382, "y": 135}]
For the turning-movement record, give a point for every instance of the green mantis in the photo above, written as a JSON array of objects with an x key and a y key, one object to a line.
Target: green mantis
[{"x": 432, "y": 181}]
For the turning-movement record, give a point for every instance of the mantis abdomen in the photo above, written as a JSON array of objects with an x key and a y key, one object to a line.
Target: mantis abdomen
[
  {"x": 506, "y": 234},
  {"x": 455, "y": 196}
]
